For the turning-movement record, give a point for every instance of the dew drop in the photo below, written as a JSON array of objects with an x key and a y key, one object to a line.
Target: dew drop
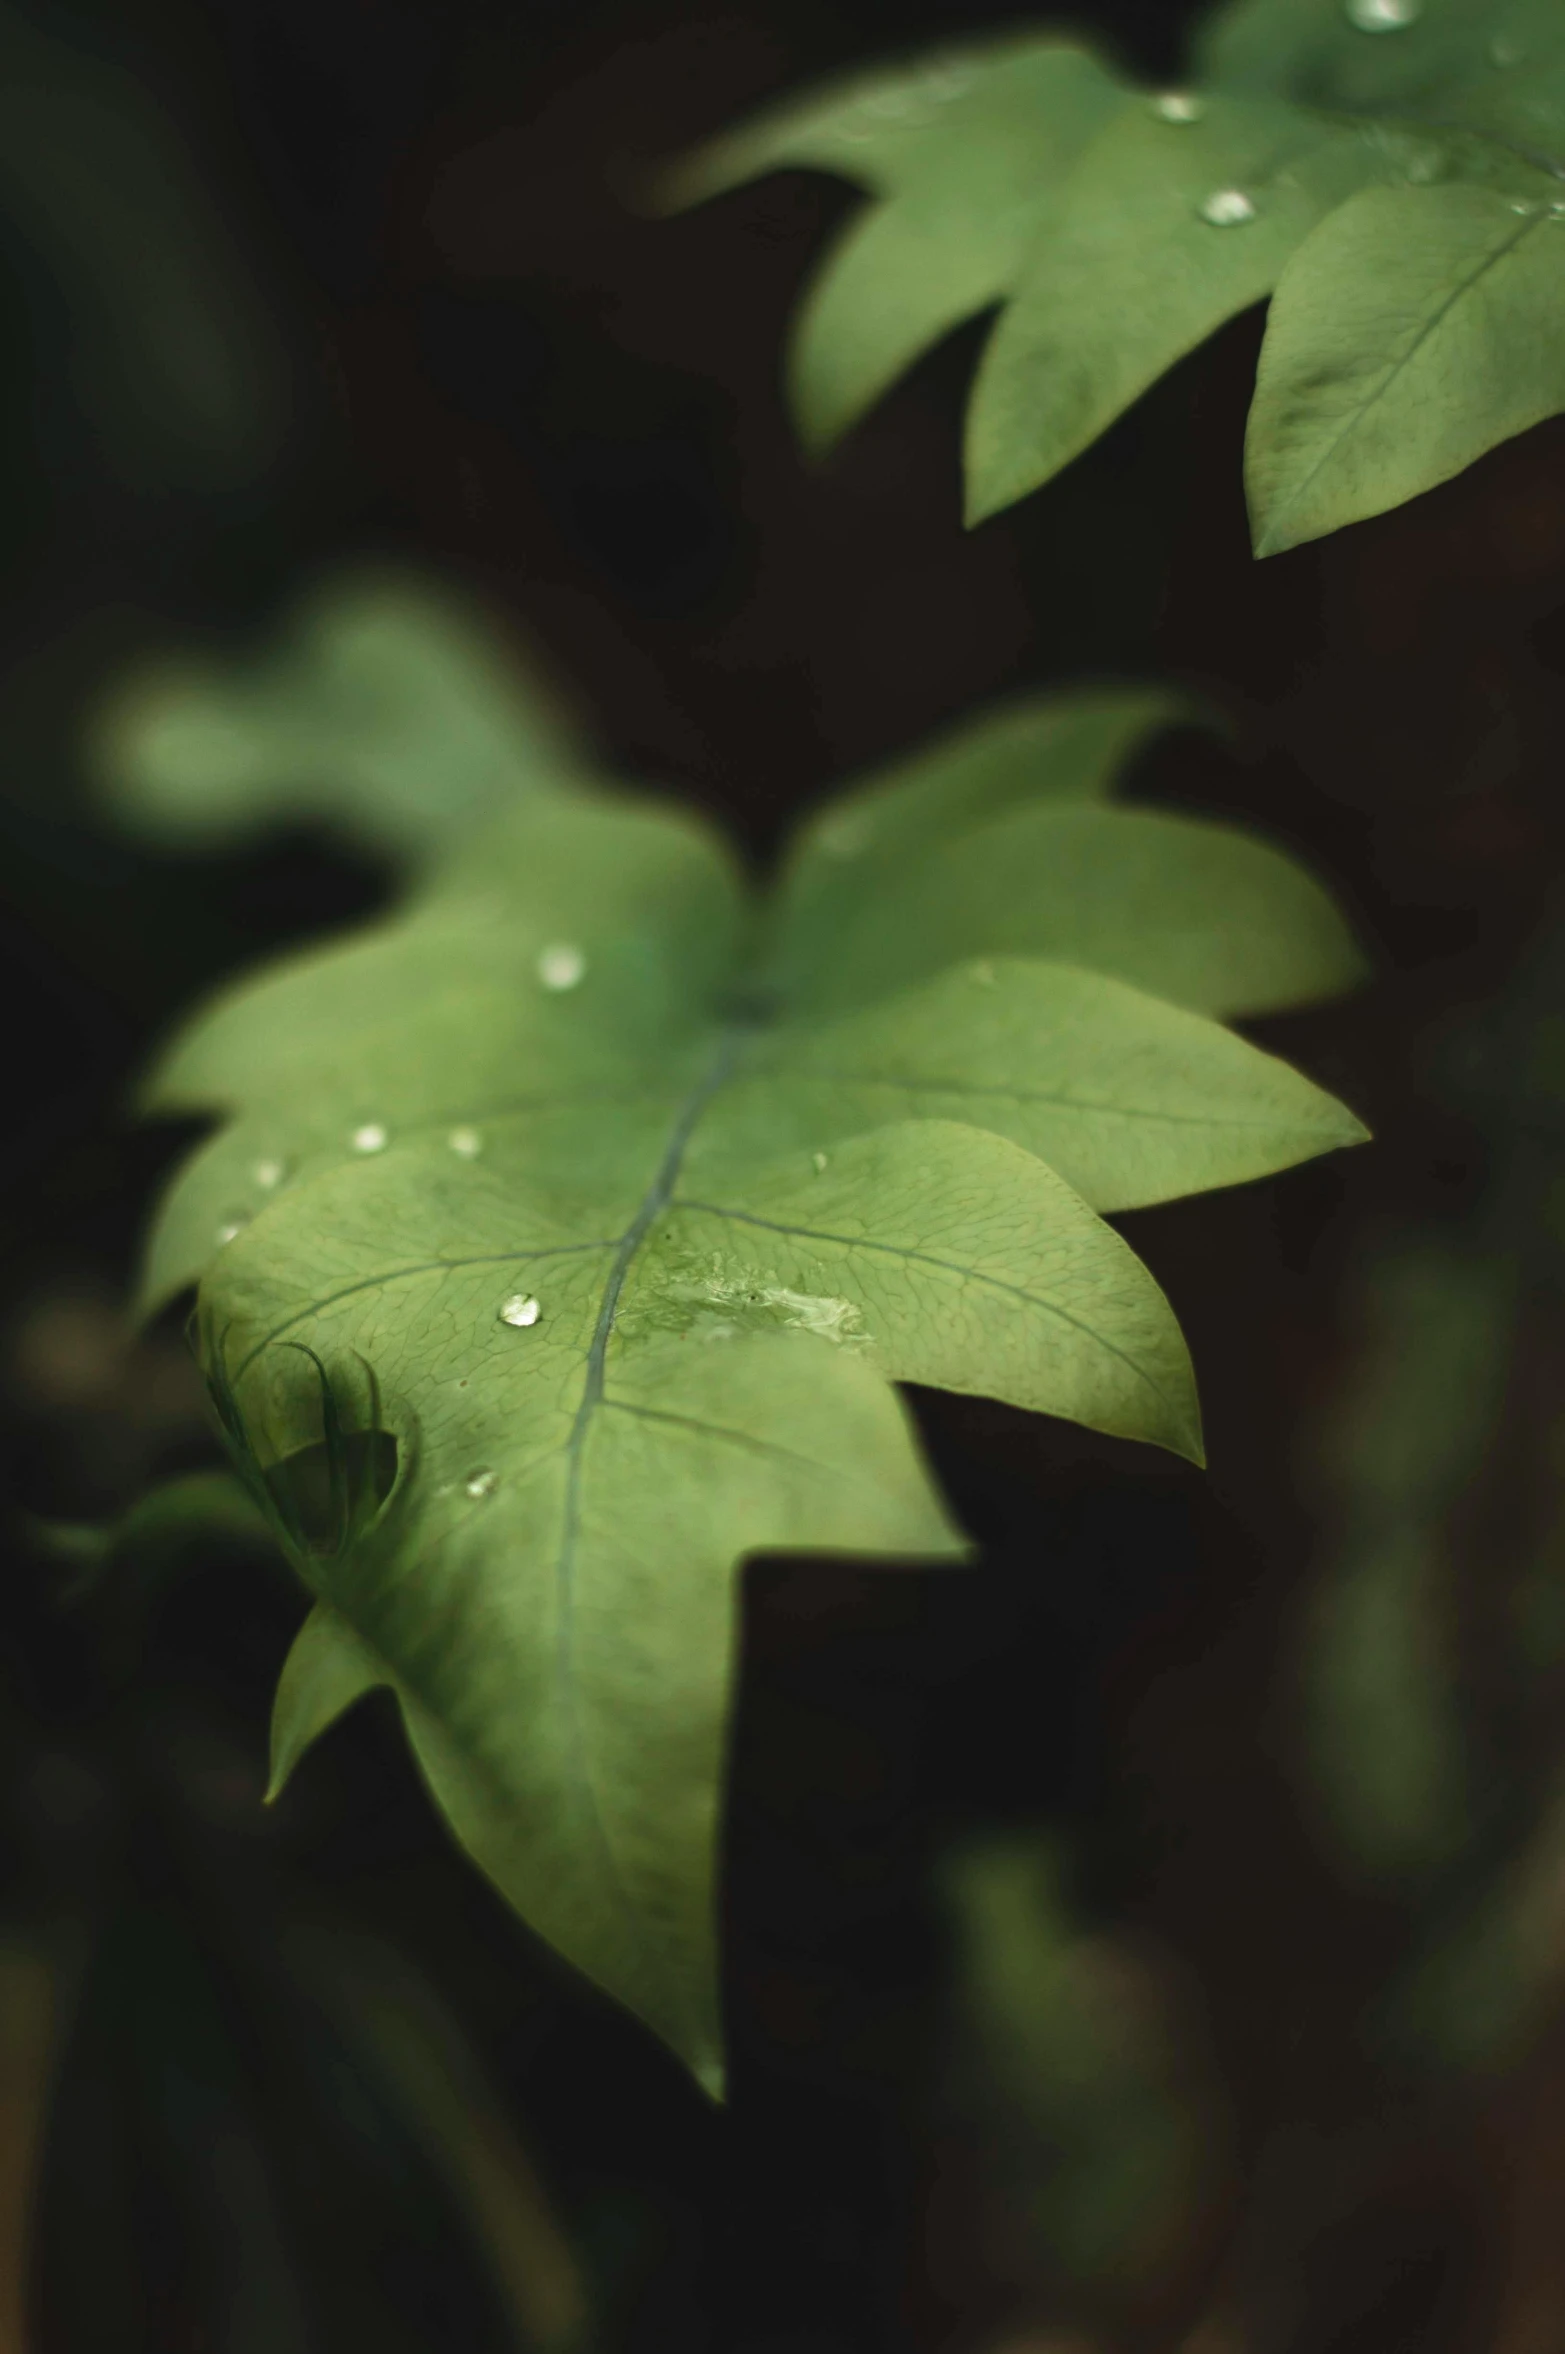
[
  {"x": 1177, "y": 106},
  {"x": 562, "y": 965},
  {"x": 818, "y": 1163},
  {"x": 1227, "y": 208},
  {"x": 1383, "y": 16},
  {"x": 466, "y": 1143},
  {"x": 230, "y": 1230},
  {"x": 520, "y": 1309},
  {"x": 269, "y": 1174},
  {"x": 372, "y": 1137},
  {"x": 479, "y": 1484}
]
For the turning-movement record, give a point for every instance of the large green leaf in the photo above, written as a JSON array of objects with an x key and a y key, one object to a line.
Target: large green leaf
[
  {"x": 390, "y": 710},
  {"x": 621, "y": 1202},
  {"x": 1390, "y": 172}
]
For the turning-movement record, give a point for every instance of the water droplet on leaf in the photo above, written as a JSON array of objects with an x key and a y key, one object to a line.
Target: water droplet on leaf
[
  {"x": 818, "y": 1163},
  {"x": 1178, "y": 106},
  {"x": 1227, "y": 208},
  {"x": 520, "y": 1309},
  {"x": 561, "y": 966},
  {"x": 230, "y": 1229},
  {"x": 268, "y": 1174},
  {"x": 1383, "y": 16},
  {"x": 481, "y": 1483},
  {"x": 466, "y": 1143},
  {"x": 372, "y": 1137}
]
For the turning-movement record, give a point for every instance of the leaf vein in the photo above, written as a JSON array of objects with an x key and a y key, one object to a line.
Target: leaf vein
[
  {"x": 1431, "y": 325},
  {"x": 981, "y": 1091},
  {"x": 318, "y": 1307}
]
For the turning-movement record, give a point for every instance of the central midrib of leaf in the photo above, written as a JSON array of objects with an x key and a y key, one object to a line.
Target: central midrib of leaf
[
  {"x": 730, "y": 1045},
  {"x": 731, "y": 1042},
  {"x": 1430, "y": 327}
]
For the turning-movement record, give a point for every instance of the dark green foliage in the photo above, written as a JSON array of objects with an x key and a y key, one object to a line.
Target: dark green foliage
[{"x": 1391, "y": 173}]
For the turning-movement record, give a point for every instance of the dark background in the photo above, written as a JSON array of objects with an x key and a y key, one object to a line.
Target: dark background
[{"x": 493, "y": 360}]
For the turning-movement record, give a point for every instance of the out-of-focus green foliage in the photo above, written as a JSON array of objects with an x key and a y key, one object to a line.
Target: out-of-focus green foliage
[
  {"x": 624, "y": 1200},
  {"x": 1391, "y": 173},
  {"x": 231, "y": 2089},
  {"x": 169, "y": 355},
  {"x": 1432, "y": 1665},
  {"x": 1382, "y": 1674},
  {"x": 1071, "y": 2057},
  {"x": 390, "y": 711}
]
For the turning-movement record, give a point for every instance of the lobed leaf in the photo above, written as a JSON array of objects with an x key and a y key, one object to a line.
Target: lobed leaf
[
  {"x": 621, "y": 1203},
  {"x": 1387, "y": 168}
]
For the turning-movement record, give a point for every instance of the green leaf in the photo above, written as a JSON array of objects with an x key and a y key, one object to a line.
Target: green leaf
[
  {"x": 1133, "y": 274},
  {"x": 617, "y": 1205},
  {"x": 906, "y": 273},
  {"x": 390, "y": 710},
  {"x": 1414, "y": 329},
  {"x": 1362, "y": 157},
  {"x": 1195, "y": 912},
  {"x": 1131, "y": 1100}
]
